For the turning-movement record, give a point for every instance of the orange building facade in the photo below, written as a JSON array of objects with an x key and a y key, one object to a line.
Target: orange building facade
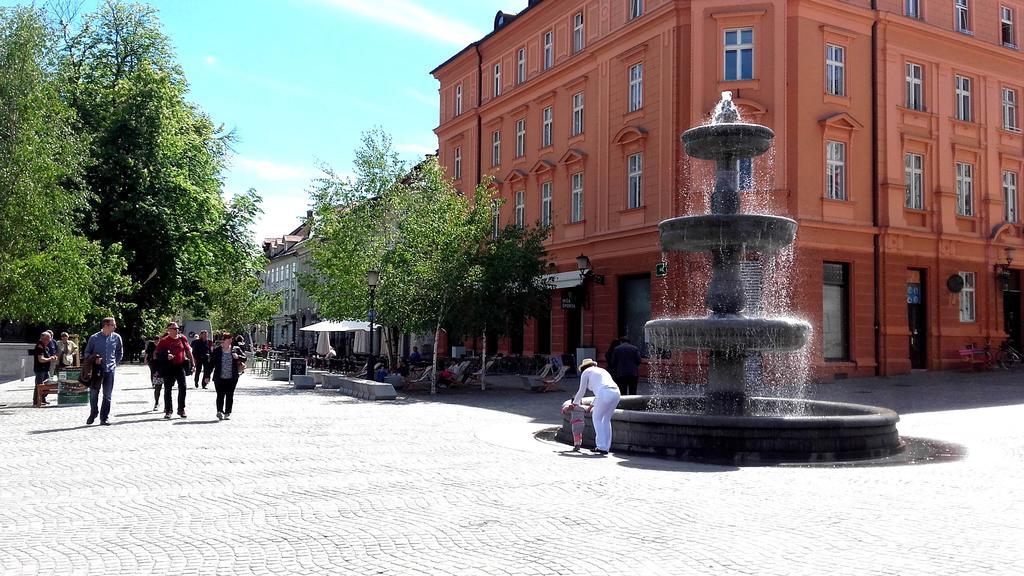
[{"x": 898, "y": 150}]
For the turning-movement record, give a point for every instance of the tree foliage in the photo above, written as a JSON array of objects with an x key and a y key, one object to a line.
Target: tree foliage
[
  {"x": 430, "y": 243},
  {"x": 49, "y": 272}
]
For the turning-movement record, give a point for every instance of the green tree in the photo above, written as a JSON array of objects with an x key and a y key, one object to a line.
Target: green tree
[
  {"x": 49, "y": 272},
  {"x": 156, "y": 161}
]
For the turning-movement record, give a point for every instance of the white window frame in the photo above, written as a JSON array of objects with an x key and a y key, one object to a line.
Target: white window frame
[
  {"x": 576, "y": 214},
  {"x": 962, "y": 16},
  {"x": 1007, "y": 31},
  {"x": 913, "y": 179},
  {"x": 912, "y": 8},
  {"x": 496, "y": 148},
  {"x": 835, "y": 69},
  {"x": 520, "y": 137},
  {"x": 968, "y": 309},
  {"x": 835, "y": 170},
  {"x": 457, "y": 164},
  {"x": 635, "y": 180},
  {"x": 545, "y": 203},
  {"x": 1010, "y": 116},
  {"x": 577, "y": 32},
  {"x": 577, "y": 114},
  {"x": 636, "y": 9},
  {"x": 520, "y": 208},
  {"x": 458, "y": 99},
  {"x": 549, "y": 49},
  {"x": 1010, "y": 197},
  {"x": 914, "y": 85},
  {"x": 964, "y": 107},
  {"x": 739, "y": 48},
  {"x": 521, "y": 66},
  {"x": 547, "y": 121},
  {"x": 497, "y": 80},
  {"x": 964, "y": 189},
  {"x": 636, "y": 87}
]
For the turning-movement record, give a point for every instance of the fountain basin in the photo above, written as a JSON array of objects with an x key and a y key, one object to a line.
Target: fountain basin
[
  {"x": 755, "y": 232},
  {"x": 728, "y": 140},
  {"x": 728, "y": 333},
  {"x": 817, "y": 431}
]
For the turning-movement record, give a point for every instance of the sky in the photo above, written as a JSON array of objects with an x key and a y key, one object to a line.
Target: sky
[{"x": 300, "y": 80}]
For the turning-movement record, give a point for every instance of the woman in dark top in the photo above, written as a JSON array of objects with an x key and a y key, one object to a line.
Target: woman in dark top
[
  {"x": 154, "y": 372},
  {"x": 225, "y": 360}
]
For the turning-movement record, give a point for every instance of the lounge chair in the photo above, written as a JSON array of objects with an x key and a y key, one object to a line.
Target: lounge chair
[{"x": 549, "y": 383}]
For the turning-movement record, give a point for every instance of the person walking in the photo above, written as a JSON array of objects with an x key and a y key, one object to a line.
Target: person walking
[
  {"x": 41, "y": 359},
  {"x": 155, "y": 377},
  {"x": 226, "y": 360},
  {"x": 606, "y": 398},
  {"x": 201, "y": 348},
  {"x": 108, "y": 349},
  {"x": 173, "y": 351},
  {"x": 626, "y": 359},
  {"x": 609, "y": 360}
]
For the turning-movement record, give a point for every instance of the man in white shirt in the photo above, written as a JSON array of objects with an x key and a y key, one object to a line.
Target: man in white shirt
[{"x": 606, "y": 398}]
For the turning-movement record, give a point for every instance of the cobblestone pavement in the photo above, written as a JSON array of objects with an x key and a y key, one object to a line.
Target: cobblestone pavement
[{"x": 320, "y": 483}]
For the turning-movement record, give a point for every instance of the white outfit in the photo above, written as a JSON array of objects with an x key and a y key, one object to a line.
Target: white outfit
[{"x": 606, "y": 398}]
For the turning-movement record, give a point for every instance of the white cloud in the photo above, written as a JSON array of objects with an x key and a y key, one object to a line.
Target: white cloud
[
  {"x": 418, "y": 149},
  {"x": 409, "y": 15},
  {"x": 274, "y": 171},
  {"x": 211, "y": 60}
]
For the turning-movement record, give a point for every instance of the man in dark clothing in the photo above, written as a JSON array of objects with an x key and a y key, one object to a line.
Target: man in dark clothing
[
  {"x": 201, "y": 352},
  {"x": 626, "y": 360}
]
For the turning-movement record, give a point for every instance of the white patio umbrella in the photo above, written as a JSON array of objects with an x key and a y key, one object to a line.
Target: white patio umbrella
[
  {"x": 323, "y": 343},
  {"x": 338, "y": 326}
]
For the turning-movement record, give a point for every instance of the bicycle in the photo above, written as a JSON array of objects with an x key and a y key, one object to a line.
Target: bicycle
[{"x": 1008, "y": 357}]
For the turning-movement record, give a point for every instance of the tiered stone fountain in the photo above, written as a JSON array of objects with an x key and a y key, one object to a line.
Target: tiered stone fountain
[{"x": 726, "y": 424}]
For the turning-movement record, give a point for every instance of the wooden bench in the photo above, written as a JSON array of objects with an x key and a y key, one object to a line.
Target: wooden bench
[{"x": 43, "y": 390}]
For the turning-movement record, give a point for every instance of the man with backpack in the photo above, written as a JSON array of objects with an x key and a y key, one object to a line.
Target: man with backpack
[{"x": 174, "y": 355}]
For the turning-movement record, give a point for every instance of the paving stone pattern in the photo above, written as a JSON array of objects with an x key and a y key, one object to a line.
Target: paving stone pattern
[{"x": 315, "y": 482}]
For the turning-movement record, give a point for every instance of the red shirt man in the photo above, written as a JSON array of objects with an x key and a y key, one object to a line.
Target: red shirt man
[
  {"x": 173, "y": 347},
  {"x": 171, "y": 352}
]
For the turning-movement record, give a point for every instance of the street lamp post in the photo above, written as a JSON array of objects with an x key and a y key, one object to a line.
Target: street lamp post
[
  {"x": 587, "y": 273},
  {"x": 372, "y": 280}
]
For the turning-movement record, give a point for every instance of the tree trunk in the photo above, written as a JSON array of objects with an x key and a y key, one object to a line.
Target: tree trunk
[
  {"x": 483, "y": 360},
  {"x": 433, "y": 378}
]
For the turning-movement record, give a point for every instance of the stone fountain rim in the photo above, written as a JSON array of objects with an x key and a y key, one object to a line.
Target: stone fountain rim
[{"x": 869, "y": 416}]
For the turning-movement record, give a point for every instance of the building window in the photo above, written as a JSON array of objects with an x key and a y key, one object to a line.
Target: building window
[
  {"x": 577, "y": 32},
  {"x": 577, "y": 113},
  {"x": 962, "y": 16},
  {"x": 1010, "y": 195},
  {"x": 835, "y": 170},
  {"x": 635, "y": 179},
  {"x": 549, "y": 49},
  {"x": 835, "y": 68},
  {"x": 967, "y": 308},
  {"x": 458, "y": 99},
  {"x": 963, "y": 98},
  {"x": 636, "y": 87},
  {"x": 913, "y": 176},
  {"x": 745, "y": 174},
  {"x": 636, "y": 9},
  {"x": 915, "y": 86},
  {"x": 520, "y": 208},
  {"x": 545, "y": 203},
  {"x": 496, "y": 148},
  {"x": 835, "y": 342},
  {"x": 739, "y": 54},
  {"x": 1006, "y": 27},
  {"x": 912, "y": 8},
  {"x": 964, "y": 189},
  {"x": 521, "y": 66},
  {"x": 495, "y": 218},
  {"x": 497, "y": 80},
  {"x": 520, "y": 137},
  {"x": 545, "y": 132},
  {"x": 577, "y": 198},
  {"x": 1010, "y": 122},
  {"x": 457, "y": 165}
]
